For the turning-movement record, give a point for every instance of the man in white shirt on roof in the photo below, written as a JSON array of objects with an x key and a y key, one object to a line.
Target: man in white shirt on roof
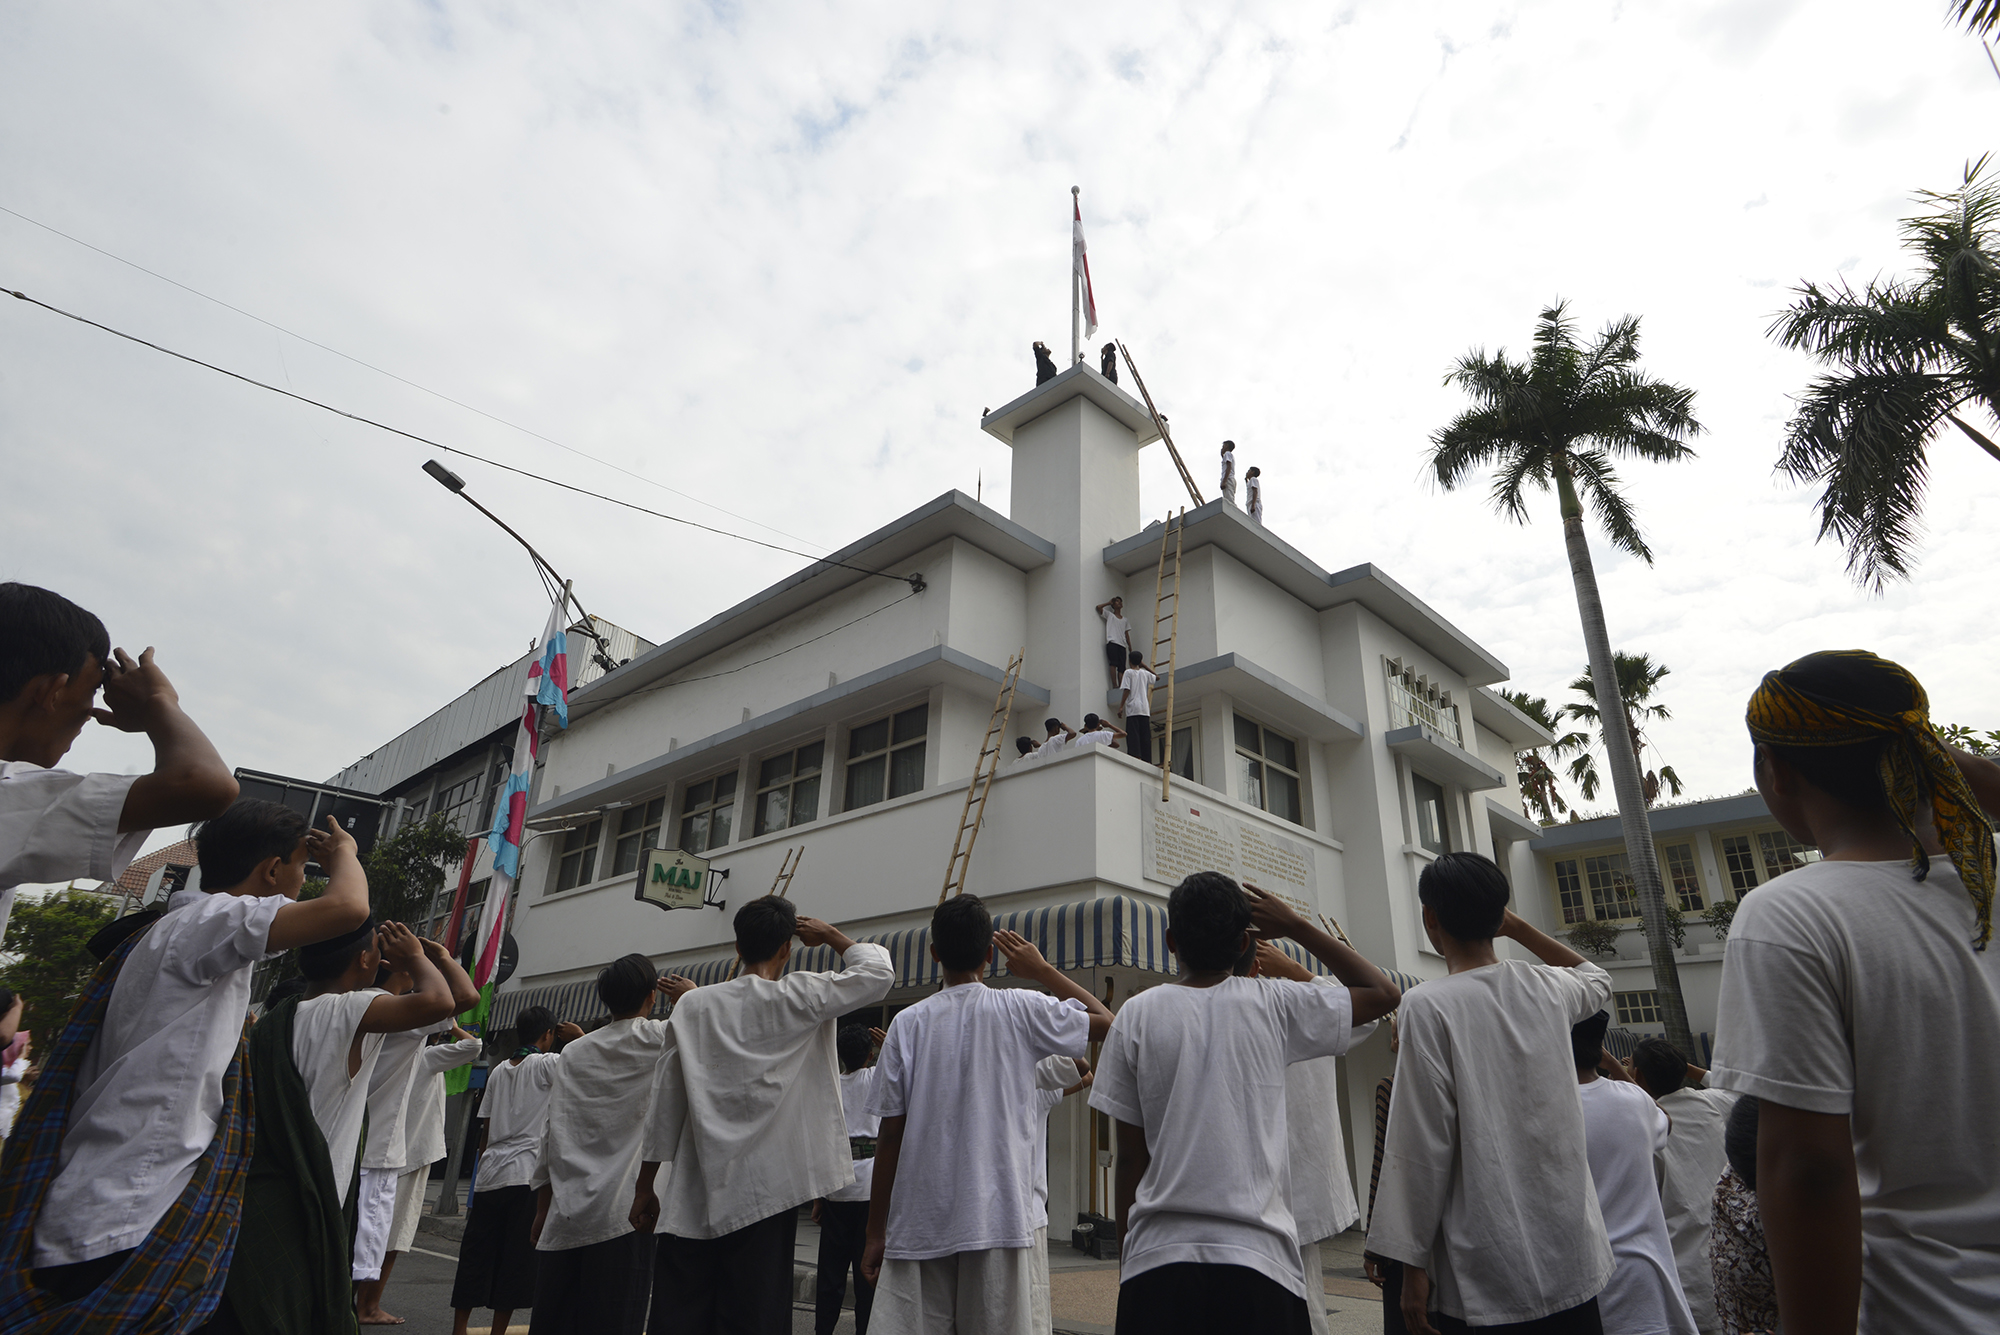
[
  {"x": 952, "y": 1226},
  {"x": 1117, "y": 637},
  {"x": 1135, "y": 706},
  {"x": 747, "y": 1111},
  {"x": 1693, "y": 1160},
  {"x": 1194, "y": 1074},
  {"x": 1485, "y": 1195},
  {"x": 59, "y": 826},
  {"x": 1096, "y": 732}
]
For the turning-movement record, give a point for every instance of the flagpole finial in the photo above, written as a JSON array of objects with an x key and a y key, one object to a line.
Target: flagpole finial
[{"x": 1076, "y": 190}]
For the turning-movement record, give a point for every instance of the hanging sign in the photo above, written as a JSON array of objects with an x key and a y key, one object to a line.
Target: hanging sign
[{"x": 672, "y": 879}]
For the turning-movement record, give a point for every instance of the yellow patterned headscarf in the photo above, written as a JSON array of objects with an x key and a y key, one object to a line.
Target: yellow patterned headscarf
[{"x": 1916, "y": 766}]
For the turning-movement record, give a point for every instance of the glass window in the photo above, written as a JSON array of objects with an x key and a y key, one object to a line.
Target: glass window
[
  {"x": 707, "y": 813},
  {"x": 1267, "y": 770},
  {"x": 458, "y": 805},
  {"x": 1609, "y": 877},
  {"x": 413, "y": 814},
  {"x": 638, "y": 830},
  {"x": 886, "y": 758},
  {"x": 1742, "y": 864},
  {"x": 1183, "y": 765},
  {"x": 578, "y": 865},
  {"x": 1782, "y": 853},
  {"x": 788, "y": 788},
  {"x": 1638, "y": 1007},
  {"x": 1681, "y": 875},
  {"x": 1569, "y": 890},
  {"x": 1433, "y": 831}
]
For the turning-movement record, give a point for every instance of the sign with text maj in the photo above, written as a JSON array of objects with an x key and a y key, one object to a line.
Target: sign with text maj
[{"x": 672, "y": 879}]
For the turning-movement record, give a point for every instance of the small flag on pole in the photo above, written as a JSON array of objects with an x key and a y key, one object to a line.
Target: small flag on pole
[{"x": 1081, "y": 261}]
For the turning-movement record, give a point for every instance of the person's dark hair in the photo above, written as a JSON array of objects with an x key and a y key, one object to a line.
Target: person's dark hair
[
  {"x": 1469, "y": 894},
  {"x": 1851, "y": 773},
  {"x": 1253, "y": 472},
  {"x": 624, "y": 984},
  {"x": 1586, "y": 1040},
  {"x": 1660, "y": 1065},
  {"x": 230, "y": 846},
  {"x": 1135, "y": 659},
  {"x": 1228, "y": 444},
  {"x": 294, "y": 986},
  {"x": 1024, "y": 744},
  {"x": 853, "y": 1044},
  {"x": 1091, "y": 723},
  {"x": 6, "y": 999},
  {"x": 1208, "y": 914},
  {"x": 534, "y": 1022},
  {"x": 1052, "y": 726},
  {"x": 327, "y": 959},
  {"x": 42, "y": 633},
  {"x": 1739, "y": 1140},
  {"x": 763, "y": 926},
  {"x": 962, "y": 933}
]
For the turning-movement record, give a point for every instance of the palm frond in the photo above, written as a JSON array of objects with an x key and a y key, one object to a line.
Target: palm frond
[
  {"x": 1980, "y": 17},
  {"x": 1598, "y": 483}
]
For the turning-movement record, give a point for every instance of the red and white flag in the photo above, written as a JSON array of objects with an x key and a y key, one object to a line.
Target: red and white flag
[{"x": 1081, "y": 262}]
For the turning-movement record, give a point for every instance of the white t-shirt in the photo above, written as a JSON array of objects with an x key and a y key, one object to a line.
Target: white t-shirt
[
  {"x": 423, "y": 1121},
  {"x": 1322, "y": 1196},
  {"x": 1229, "y": 470},
  {"x": 149, "y": 1091},
  {"x": 1692, "y": 1162},
  {"x": 1254, "y": 489},
  {"x": 857, "y": 1093},
  {"x": 1485, "y": 1178},
  {"x": 1852, "y": 988},
  {"x": 1202, "y": 1069},
  {"x": 59, "y": 826},
  {"x": 596, "y": 1125},
  {"x": 1140, "y": 682},
  {"x": 1053, "y": 747},
  {"x": 516, "y": 1109},
  {"x": 1102, "y": 737},
  {"x": 1624, "y": 1131},
  {"x": 389, "y": 1096},
  {"x": 10, "y": 1094},
  {"x": 1115, "y": 627},
  {"x": 1052, "y": 1076},
  {"x": 959, "y": 1067},
  {"x": 322, "y": 1036}
]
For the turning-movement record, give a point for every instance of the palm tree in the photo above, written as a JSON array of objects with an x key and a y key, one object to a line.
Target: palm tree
[
  {"x": 1537, "y": 778},
  {"x": 1558, "y": 421},
  {"x": 1638, "y": 679},
  {"x": 1908, "y": 357},
  {"x": 1980, "y": 17}
]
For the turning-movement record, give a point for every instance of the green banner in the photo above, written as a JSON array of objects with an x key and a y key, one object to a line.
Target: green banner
[{"x": 474, "y": 1023}]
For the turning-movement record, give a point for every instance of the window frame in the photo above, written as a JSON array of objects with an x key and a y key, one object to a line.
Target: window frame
[
  {"x": 587, "y": 853},
  {"x": 1640, "y": 1006},
  {"x": 683, "y": 813},
  {"x": 1247, "y": 758},
  {"x": 1670, "y": 873},
  {"x": 852, "y": 765},
  {"x": 789, "y": 784},
  {"x": 648, "y": 825},
  {"x": 1443, "y": 812}
]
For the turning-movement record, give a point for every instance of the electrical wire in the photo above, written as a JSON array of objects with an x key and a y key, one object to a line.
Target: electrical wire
[
  {"x": 437, "y": 394},
  {"x": 915, "y": 581}
]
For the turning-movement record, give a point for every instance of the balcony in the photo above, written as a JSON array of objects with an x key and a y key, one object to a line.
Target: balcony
[{"x": 1407, "y": 707}]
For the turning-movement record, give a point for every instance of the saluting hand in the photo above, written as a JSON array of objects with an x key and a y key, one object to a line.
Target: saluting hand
[
  {"x": 673, "y": 986},
  {"x": 400, "y": 946},
  {"x": 1271, "y": 917},
  {"x": 1023, "y": 960}
]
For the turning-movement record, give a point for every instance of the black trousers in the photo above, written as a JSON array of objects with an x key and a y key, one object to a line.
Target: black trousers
[
  {"x": 496, "y": 1262},
  {"x": 737, "y": 1284},
  {"x": 1139, "y": 737},
  {"x": 1203, "y": 1299},
  {"x": 843, "y": 1233},
  {"x": 1579, "y": 1320},
  {"x": 596, "y": 1290}
]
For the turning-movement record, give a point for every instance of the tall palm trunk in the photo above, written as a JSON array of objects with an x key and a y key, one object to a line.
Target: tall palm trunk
[{"x": 1624, "y": 765}]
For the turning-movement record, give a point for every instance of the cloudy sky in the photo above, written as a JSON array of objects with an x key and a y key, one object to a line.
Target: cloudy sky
[{"x": 775, "y": 259}]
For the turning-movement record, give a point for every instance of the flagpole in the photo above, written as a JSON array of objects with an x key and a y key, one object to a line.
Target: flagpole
[{"x": 1075, "y": 295}]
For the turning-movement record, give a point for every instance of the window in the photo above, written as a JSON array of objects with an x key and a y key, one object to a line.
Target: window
[
  {"x": 1773, "y": 854},
  {"x": 638, "y": 830},
  {"x": 886, "y": 758},
  {"x": 1414, "y": 698},
  {"x": 1681, "y": 875},
  {"x": 1433, "y": 830},
  {"x": 475, "y": 895},
  {"x": 1184, "y": 754},
  {"x": 1638, "y": 1007},
  {"x": 1569, "y": 890},
  {"x": 578, "y": 864},
  {"x": 788, "y": 788},
  {"x": 1782, "y": 853},
  {"x": 1267, "y": 770},
  {"x": 707, "y": 812},
  {"x": 413, "y": 814},
  {"x": 1610, "y": 880},
  {"x": 458, "y": 804},
  {"x": 1742, "y": 864}
]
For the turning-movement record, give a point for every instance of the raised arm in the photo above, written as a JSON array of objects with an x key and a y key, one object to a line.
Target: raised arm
[
  {"x": 464, "y": 995},
  {"x": 1024, "y": 961},
  {"x": 1372, "y": 994},
  {"x": 189, "y": 781},
  {"x": 342, "y": 908},
  {"x": 431, "y": 1000},
  {"x": 1543, "y": 946}
]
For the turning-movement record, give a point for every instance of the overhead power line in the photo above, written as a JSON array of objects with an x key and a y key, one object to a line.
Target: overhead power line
[
  {"x": 916, "y": 582},
  {"x": 400, "y": 379}
]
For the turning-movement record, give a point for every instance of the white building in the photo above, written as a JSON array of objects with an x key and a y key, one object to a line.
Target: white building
[{"x": 1335, "y": 733}]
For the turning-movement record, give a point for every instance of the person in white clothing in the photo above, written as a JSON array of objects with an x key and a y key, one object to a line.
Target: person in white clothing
[
  {"x": 384, "y": 1161},
  {"x": 1229, "y": 471},
  {"x": 1194, "y": 1074},
  {"x": 496, "y": 1257},
  {"x": 842, "y": 1215},
  {"x": 1135, "y": 706},
  {"x": 1056, "y": 1078},
  {"x": 951, "y": 1223},
  {"x": 1057, "y": 738},
  {"x": 1485, "y": 1195},
  {"x": 1097, "y": 732},
  {"x": 1025, "y": 749},
  {"x": 1117, "y": 637},
  {"x": 1694, "y": 1158},
  {"x": 58, "y": 826},
  {"x": 747, "y": 1111},
  {"x": 13, "y": 1066},
  {"x": 423, "y": 1124},
  {"x": 149, "y": 1101},
  {"x": 1625, "y": 1133},
  {"x": 593, "y": 1272},
  {"x": 1860, "y": 997},
  {"x": 1253, "y": 484}
]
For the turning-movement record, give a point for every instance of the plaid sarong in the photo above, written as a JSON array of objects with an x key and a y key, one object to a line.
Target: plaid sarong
[{"x": 172, "y": 1281}]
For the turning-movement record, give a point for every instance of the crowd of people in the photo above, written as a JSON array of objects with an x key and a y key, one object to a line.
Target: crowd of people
[{"x": 181, "y": 1166}]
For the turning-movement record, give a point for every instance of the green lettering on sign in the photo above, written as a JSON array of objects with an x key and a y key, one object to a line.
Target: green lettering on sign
[{"x": 660, "y": 874}]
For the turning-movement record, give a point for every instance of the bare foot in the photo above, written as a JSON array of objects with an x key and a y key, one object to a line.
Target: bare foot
[{"x": 378, "y": 1317}]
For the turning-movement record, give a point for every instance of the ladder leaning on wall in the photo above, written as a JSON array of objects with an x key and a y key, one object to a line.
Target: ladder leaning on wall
[
  {"x": 1166, "y": 630},
  {"x": 781, "y": 886},
  {"x": 983, "y": 770}
]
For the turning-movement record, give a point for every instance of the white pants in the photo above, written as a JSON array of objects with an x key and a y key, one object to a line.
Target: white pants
[
  {"x": 376, "y": 1207},
  {"x": 409, "y": 1208},
  {"x": 1001, "y": 1291},
  {"x": 1315, "y": 1286}
]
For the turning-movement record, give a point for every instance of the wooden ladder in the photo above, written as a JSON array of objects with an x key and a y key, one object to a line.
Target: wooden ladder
[
  {"x": 782, "y": 885},
  {"x": 1160, "y": 425},
  {"x": 1166, "y": 630},
  {"x": 983, "y": 770}
]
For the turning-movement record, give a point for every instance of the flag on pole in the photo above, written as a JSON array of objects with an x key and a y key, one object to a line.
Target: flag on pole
[
  {"x": 548, "y": 679},
  {"x": 1081, "y": 263}
]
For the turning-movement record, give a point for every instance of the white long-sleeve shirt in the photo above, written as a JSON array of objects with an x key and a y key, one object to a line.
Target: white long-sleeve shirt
[
  {"x": 1693, "y": 1160},
  {"x": 596, "y": 1129},
  {"x": 423, "y": 1121},
  {"x": 747, "y": 1108},
  {"x": 387, "y": 1143},
  {"x": 516, "y": 1109}
]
